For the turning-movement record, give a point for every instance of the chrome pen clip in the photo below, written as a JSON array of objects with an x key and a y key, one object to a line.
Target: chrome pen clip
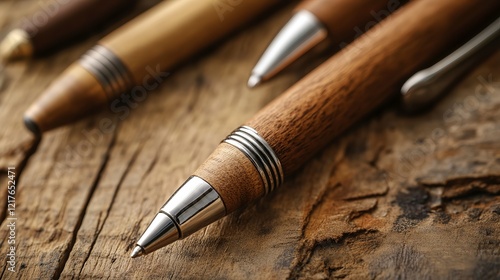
[{"x": 427, "y": 85}]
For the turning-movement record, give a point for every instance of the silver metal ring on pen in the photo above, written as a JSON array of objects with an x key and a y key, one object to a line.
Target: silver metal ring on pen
[
  {"x": 108, "y": 70},
  {"x": 250, "y": 143},
  {"x": 269, "y": 151}
]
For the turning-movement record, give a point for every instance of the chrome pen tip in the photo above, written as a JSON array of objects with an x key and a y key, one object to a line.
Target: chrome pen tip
[
  {"x": 253, "y": 81},
  {"x": 302, "y": 32},
  {"x": 137, "y": 252}
]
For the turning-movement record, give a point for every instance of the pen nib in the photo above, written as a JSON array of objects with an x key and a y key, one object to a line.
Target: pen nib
[
  {"x": 137, "y": 252},
  {"x": 254, "y": 81}
]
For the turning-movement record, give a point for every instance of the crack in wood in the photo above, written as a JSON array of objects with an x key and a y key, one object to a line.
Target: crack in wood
[
  {"x": 368, "y": 196},
  {"x": 463, "y": 187},
  {"x": 28, "y": 153},
  {"x": 96, "y": 233},
  {"x": 356, "y": 214},
  {"x": 67, "y": 252},
  {"x": 309, "y": 249},
  {"x": 490, "y": 179},
  {"x": 303, "y": 251},
  {"x": 117, "y": 189}
]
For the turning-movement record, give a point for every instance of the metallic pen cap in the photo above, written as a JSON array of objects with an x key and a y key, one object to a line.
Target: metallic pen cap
[
  {"x": 193, "y": 206},
  {"x": 300, "y": 34}
]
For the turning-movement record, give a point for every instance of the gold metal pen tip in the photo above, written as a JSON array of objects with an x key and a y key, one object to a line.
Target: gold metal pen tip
[
  {"x": 137, "y": 252},
  {"x": 254, "y": 81},
  {"x": 15, "y": 45}
]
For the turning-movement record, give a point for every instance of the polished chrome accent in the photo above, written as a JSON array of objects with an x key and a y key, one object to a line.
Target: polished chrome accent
[
  {"x": 160, "y": 232},
  {"x": 427, "y": 85},
  {"x": 253, "y": 81},
  {"x": 137, "y": 252},
  {"x": 300, "y": 34},
  {"x": 108, "y": 69},
  {"x": 16, "y": 44},
  {"x": 250, "y": 143},
  {"x": 193, "y": 206}
]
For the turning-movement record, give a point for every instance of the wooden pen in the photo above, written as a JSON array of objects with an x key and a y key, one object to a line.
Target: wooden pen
[
  {"x": 257, "y": 157},
  {"x": 341, "y": 21},
  {"x": 56, "y": 24},
  {"x": 135, "y": 55}
]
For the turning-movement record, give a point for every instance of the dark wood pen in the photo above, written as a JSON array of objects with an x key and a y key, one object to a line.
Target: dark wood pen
[{"x": 58, "y": 23}]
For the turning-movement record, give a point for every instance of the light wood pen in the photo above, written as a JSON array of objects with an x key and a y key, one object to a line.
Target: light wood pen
[
  {"x": 134, "y": 58},
  {"x": 257, "y": 157}
]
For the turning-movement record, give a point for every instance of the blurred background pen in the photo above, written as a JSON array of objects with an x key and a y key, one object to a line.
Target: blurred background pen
[
  {"x": 131, "y": 61},
  {"x": 56, "y": 24},
  {"x": 314, "y": 21}
]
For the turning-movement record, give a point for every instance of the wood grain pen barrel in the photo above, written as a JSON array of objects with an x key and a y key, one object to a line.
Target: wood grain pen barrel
[
  {"x": 338, "y": 93},
  {"x": 176, "y": 30},
  {"x": 337, "y": 21},
  {"x": 57, "y": 23},
  {"x": 257, "y": 157},
  {"x": 62, "y": 21},
  {"x": 343, "y": 19}
]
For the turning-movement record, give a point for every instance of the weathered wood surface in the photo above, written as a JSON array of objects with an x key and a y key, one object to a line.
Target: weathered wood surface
[{"x": 395, "y": 196}]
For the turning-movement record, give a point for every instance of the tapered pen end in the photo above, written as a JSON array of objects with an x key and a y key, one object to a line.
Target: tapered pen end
[
  {"x": 32, "y": 126},
  {"x": 72, "y": 96},
  {"x": 299, "y": 35},
  {"x": 137, "y": 252},
  {"x": 161, "y": 232},
  {"x": 15, "y": 45},
  {"x": 193, "y": 206},
  {"x": 254, "y": 81}
]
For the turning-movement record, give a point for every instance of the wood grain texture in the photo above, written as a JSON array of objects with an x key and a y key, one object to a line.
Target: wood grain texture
[
  {"x": 86, "y": 96},
  {"x": 394, "y": 196},
  {"x": 344, "y": 89},
  {"x": 233, "y": 176},
  {"x": 343, "y": 19},
  {"x": 362, "y": 76}
]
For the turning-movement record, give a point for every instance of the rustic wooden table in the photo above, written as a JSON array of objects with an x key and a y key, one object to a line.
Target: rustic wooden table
[{"x": 395, "y": 197}]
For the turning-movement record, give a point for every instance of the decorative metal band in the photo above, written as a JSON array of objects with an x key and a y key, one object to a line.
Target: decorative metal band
[
  {"x": 249, "y": 142},
  {"x": 108, "y": 69}
]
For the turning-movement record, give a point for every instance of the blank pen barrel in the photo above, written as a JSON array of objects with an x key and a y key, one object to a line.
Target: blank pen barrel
[{"x": 256, "y": 158}]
